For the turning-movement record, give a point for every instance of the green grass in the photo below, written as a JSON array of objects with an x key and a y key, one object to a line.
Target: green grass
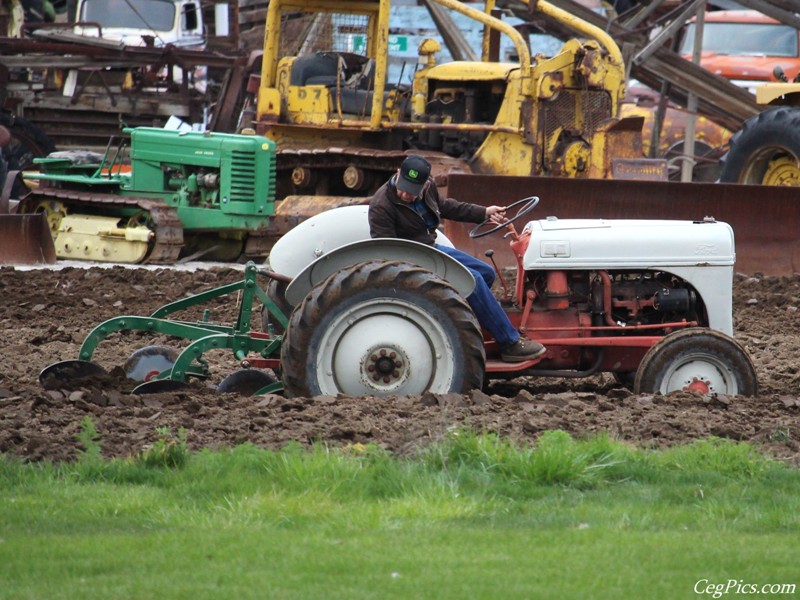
[{"x": 472, "y": 517}]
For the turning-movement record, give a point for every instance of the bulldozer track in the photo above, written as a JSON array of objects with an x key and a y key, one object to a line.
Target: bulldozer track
[
  {"x": 168, "y": 228},
  {"x": 386, "y": 161}
]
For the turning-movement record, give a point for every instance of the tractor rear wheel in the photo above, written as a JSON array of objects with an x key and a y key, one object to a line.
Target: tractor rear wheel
[
  {"x": 27, "y": 142},
  {"x": 276, "y": 290},
  {"x": 700, "y": 360},
  {"x": 766, "y": 150},
  {"x": 382, "y": 328}
]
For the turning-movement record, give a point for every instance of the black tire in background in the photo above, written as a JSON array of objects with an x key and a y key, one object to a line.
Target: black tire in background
[
  {"x": 382, "y": 328},
  {"x": 766, "y": 150},
  {"x": 28, "y": 141}
]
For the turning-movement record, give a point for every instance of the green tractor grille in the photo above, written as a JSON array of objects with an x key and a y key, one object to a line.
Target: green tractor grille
[{"x": 243, "y": 176}]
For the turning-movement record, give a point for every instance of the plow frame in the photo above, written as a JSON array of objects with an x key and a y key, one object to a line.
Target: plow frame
[{"x": 203, "y": 334}]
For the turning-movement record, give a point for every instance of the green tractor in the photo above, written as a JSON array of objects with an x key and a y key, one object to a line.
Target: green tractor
[{"x": 167, "y": 195}]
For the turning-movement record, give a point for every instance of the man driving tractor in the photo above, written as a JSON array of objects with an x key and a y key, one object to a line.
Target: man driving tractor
[{"x": 409, "y": 206}]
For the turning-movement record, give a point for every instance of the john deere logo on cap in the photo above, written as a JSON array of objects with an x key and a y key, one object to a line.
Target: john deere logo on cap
[{"x": 413, "y": 174}]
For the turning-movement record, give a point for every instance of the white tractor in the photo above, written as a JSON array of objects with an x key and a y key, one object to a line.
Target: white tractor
[{"x": 647, "y": 300}]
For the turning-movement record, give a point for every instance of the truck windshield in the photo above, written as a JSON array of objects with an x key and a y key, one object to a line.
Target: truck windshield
[
  {"x": 152, "y": 15},
  {"x": 744, "y": 39}
]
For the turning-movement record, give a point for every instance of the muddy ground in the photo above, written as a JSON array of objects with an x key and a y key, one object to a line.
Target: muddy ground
[{"x": 45, "y": 315}]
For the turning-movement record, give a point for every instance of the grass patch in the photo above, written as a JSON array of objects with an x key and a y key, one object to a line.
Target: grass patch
[{"x": 473, "y": 516}]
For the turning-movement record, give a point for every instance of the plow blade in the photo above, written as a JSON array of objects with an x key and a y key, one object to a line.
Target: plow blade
[
  {"x": 295, "y": 209},
  {"x": 26, "y": 240},
  {"x": 765, "y": 220}
]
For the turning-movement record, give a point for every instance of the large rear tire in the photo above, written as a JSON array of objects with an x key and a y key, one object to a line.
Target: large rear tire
[
  {"x": 766, "y": 150},
  {"x": 27, "y": 142},
  {"x": 382, "y": 328},
  {"x": 276, "y": 290},
  {"x": 700, "y": 360}
]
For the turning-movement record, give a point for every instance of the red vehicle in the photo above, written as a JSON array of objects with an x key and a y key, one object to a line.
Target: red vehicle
[{"x": 744, "y": 46}]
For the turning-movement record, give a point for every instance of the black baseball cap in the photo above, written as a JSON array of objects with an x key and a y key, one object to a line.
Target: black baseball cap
[{"x": 414, "y": 173}]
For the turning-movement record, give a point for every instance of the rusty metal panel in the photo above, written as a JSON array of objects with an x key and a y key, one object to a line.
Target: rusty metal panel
[
  {"x": 765, "y": 220},
  {"x": 26, "y": 240},
  {"x": 648, "y": 169}
]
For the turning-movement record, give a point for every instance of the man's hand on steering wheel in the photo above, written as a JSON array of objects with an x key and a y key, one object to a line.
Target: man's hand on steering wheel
[{"x": 496, "y": 215}]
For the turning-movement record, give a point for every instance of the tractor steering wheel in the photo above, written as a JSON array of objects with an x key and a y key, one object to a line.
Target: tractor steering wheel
[{"x": 529, "y": 204}]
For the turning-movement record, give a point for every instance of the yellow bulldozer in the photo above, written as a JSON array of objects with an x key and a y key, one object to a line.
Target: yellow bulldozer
[
  {"x": 494, "y": 130},
  {"x": 340, "y": 126}
]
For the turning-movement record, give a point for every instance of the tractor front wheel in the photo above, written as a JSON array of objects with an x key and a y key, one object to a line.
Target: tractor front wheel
[
  {"x": 699, "y": 360},
  {"x": 382, "y": 328}
]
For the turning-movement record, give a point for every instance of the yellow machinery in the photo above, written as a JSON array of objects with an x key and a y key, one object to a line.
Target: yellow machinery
[
  {"x": 766, "y": 150},
  {"x": 341, "y": 128},
  {"x": 494, "y": 131}
]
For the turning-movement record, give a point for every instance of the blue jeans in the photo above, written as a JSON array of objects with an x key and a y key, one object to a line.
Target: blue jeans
[{"x": 487, "y": 309}]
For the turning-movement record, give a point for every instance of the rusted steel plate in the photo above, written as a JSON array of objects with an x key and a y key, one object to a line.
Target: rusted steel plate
[
  {"x": 765, "y": 219},
  {"x": 25, "y": 240}
]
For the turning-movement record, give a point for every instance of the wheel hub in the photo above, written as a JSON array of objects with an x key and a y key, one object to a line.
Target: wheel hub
[
  {"x": 382, "y": 347},
  {"x": 384, "y": 367},
  {"x": 783, "y": 171},
  {"x": 698, "y": 385}
]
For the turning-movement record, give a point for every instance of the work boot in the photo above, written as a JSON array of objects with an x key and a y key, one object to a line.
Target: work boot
[{"x": 522, "y": 350}]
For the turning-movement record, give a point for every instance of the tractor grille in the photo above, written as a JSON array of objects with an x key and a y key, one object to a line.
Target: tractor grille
[
  {"x": 595, "y": 106},
  {"x": 243, "y": 176}
]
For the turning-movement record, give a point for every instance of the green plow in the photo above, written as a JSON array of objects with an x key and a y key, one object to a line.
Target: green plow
[{"x": 162, "y": 369}]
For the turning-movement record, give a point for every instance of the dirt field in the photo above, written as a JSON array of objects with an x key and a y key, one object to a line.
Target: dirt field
[{"x": 46, "y": 314}]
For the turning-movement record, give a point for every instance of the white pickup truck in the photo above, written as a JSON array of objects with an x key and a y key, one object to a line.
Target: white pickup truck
[{"x": 142, "y": 22}]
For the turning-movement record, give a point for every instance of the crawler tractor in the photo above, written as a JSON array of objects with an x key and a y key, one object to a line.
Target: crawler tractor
[
  {"x": 180, "y": 194},
  {"x": 648, "y": 301},
  {"x": 342, "y": 126}
]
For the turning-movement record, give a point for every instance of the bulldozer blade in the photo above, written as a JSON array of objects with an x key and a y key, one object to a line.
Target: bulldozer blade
[
  {"x": 308, "y": 206},
  {"x": 26, "y": 240},
  {"x": 66, "y": 372},
  {"x": 765, "y": 220}
]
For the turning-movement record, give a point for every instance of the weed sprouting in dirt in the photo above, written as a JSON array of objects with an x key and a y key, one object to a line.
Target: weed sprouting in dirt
[
  {"x": 168, "y": 451},
  {"x": 89, "y": 438}
]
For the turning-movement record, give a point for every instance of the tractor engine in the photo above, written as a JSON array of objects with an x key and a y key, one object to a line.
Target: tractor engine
[
  {"x": 604, "y": 299},
  {"x": 618, "y": 275}
]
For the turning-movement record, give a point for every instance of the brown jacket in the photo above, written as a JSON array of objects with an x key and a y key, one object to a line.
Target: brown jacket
[{"x": 391, "y": 217}]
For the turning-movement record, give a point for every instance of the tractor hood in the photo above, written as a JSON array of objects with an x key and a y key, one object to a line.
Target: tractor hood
[
  {"x": 700, "y": 252},
  {"x": 471, "y": 71},
  {"x": 634, "y": 244}
]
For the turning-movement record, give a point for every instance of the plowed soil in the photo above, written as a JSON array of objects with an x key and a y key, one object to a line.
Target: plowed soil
[{"x": 46, "y": 314}]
